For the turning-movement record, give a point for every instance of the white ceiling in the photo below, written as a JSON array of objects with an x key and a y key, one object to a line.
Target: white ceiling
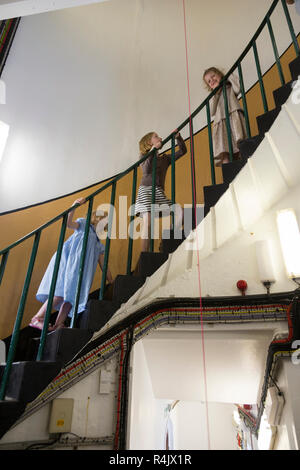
[
  {"x": 233, "y": 361},
  {"x": 17, "y": 8}
]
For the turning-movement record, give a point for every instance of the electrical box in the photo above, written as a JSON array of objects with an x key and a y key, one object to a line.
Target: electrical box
[{"x": 61, "y": 415}]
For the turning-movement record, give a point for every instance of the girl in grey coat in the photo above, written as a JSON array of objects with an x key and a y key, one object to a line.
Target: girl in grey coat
[{"x": 212, "y": 78}]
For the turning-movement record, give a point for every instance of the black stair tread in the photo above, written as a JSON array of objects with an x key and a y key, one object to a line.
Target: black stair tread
[
  {"x": 231, "y": 170},
  {"x": 212, "y": 194},
  {"x": 10, "y": 411},
  {"x": 149, "y": 262},
  {"x": 169, "y": 246},
  {"x": 28, "y": 379},
  {"x": 124, "y": 286},
  {"x": 266, "y": 120},
  {"x": 63, "y": 344},
  {"x": 172, "y": 239},
  {"x": 295, "y": 68},
  {"x": 281, "y": 94},
  {"x": 97, "y": 314},
  {"x": 24, "y": 346},
  {"x": 248, "y": 146}
]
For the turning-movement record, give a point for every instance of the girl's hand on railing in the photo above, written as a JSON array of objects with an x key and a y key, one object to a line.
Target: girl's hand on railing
[
  {"x": 177, "y": 134},
  {"x": 70, "y": 223},
  {"x": 80, "y": 200}
]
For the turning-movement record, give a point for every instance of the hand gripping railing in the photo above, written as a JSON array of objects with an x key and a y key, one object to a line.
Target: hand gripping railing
[{"x": 205, "y": 105}]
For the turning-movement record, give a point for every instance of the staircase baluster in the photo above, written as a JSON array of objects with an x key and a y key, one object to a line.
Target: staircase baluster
[
  {"x": 291, "y": 27},
  {"x": 108, "y": 238},
  {"x": 245, "y": 106},
  {"x": 193, "y": 170},
  {"x": 173, "y": 182},
  {"x": 259, "y": 74},
  {"x": 211, "y": 149},
  {"x": 52, "y": 287},
  {"x": 19, "y": 317},
  {"x": 3, "y": 264},
  {"x": 228, "y": 127},
  {"x": 130, "y": 241},
  {"x": 154, "y": 161}
]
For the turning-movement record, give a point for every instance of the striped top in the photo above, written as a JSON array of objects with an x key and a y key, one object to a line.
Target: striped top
[{"x": 162, "y": 163}]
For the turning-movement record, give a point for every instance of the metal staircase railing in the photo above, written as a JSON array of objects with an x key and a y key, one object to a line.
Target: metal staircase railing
[{"x": 112, "y": 184}]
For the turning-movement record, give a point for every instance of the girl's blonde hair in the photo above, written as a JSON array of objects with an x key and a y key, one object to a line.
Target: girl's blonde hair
[
  {"x": 96, "y": 218},
  {"x": 145, "y": 143},
  {"x": 214, "y": 70}
]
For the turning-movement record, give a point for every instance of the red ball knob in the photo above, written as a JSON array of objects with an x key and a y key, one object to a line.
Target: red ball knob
[{"x": 242, "y": 286}]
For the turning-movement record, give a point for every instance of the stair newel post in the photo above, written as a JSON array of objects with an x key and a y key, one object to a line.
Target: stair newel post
[
  {"x": 291, "y": 27},
  {"x": 211, "y": 148},
  {"x": 227, "y": 120},
  {"x": 245, "y": 106},
  {"x": 52, "y": 286},
  {"x": 82, "y": 260},
  {"x": 130, "y": 241},
  {"x": 108, "y": 238},
  {"x": 19, "y": 318},
  {"x": 260, "y": 78},
  {"x": 275, "y": 49},
  {"x": 3, "y": 264},
  {"x": 154, "y": 161},
  {"x": 193, "y": 173},
  {"x": 173, "y": 189}
]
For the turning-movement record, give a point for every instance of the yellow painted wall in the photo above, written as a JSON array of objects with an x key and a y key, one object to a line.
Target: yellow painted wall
[{"x": 17, "y": 224}]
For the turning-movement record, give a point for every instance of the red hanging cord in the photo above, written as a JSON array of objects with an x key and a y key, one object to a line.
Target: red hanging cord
[
  {"x": 194, "y": 192},
  {"x": 116, "y": 446}
]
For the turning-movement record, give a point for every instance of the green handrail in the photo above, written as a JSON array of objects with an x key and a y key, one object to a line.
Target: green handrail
[
  {"x": 227, "y": 120},
  {"x": 189, "y": 121}
]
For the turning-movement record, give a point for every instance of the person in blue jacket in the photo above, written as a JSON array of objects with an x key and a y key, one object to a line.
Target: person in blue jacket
[{"x": 66, "y": 284}]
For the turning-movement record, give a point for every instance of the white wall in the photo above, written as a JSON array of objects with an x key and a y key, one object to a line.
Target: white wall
[
  {"x": 147, "y": 418},
  {"x": 288, "y": 434},
  {"x": 221, "y": 365},
  {"x": 94, "y": 412},
  {"x": 84, "y": 84},
  {"x": 195, "y": 422}
]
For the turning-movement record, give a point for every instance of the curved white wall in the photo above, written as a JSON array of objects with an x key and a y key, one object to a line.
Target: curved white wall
[{"x": 84, "y": 84}]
